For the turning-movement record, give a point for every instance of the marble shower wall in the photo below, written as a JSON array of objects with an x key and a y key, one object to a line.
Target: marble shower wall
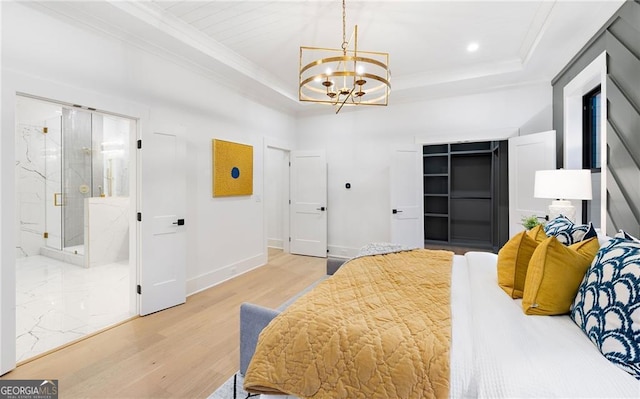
[{"x": 37, "y": 175}]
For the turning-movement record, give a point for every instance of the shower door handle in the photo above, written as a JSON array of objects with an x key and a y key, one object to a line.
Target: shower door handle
[{"x": 58, "y": 199}]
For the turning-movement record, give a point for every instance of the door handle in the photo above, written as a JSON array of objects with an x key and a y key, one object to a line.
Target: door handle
[
  {"x": 394, "y": 211},
  {"x": 321, "y": 209},
  {"x": 180, "y": 222}
]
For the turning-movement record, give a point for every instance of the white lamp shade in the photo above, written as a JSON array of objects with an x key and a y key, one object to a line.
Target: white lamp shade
[{"x": 564, "y": 184}]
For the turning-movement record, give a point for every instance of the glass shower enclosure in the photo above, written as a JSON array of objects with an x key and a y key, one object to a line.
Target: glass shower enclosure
[{"x": 86, "y": 157}]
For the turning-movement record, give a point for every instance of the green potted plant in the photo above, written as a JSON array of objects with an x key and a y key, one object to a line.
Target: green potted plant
[{"x": 530, "y": 222}]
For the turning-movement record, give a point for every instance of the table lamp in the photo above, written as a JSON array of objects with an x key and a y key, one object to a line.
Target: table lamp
[{"x": 563, "y": 185}]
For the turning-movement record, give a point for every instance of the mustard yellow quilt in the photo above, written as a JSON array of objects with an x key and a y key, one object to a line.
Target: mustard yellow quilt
[{"x": 379, "y": 328}]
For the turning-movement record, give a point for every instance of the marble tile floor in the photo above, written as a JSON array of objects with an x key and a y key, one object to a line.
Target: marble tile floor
[{"x": 57, "y": 302}]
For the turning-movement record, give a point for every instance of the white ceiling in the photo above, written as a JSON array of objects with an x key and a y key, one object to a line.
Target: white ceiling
[{"x": 253, "y": 46}]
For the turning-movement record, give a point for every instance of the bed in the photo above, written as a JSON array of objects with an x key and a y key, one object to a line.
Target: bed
[{"x": 497, "y": 351}]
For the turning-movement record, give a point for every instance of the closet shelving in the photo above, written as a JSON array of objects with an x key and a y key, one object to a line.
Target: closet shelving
[{"x": 465, "y": 194}]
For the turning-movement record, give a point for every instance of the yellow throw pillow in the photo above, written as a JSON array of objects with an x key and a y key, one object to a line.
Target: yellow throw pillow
[
  {"x": 554, "y": 274},
  {"x": 513, "y": 260},
  {"x": 537, "y": 233}
]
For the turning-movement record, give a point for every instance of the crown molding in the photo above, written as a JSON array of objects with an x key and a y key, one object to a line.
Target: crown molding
[
  {"x": 536, "y": 31},
  {"x": 199, "y": 41}
]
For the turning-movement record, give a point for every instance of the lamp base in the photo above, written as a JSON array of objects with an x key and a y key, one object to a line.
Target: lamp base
[{"x": 564, "y": 208}]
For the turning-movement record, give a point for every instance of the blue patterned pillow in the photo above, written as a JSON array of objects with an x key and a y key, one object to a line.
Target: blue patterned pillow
[
  {"x": 626, "y": 236},
  {"x": 558, "y": 224},
  {"x": 607, "y": 306},
  {"x": 567, "y": 232}
]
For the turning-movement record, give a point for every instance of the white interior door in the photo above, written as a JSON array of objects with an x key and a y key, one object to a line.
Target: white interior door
[
  {"x": 308, "y": 203},
  {"x": 526, "y": 155},
  {"x": 407, "y": 218},
  {"x": 163, "y": 235}
]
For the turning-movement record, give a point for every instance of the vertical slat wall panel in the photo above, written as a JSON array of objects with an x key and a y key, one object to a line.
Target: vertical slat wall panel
[
  {"x": 618, "y": 211},
  {"x": 624, "y": 117},
  {"x": 623, "y": 142},
  {"x": 623, "y": 185},
  {"x": 622, "y": 163},
  {"x": 621, "y": 39},
  {"x": 626, "y": 68}
]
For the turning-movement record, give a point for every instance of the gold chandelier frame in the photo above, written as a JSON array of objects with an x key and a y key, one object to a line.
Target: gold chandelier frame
[{"x": 344, "y": 76}]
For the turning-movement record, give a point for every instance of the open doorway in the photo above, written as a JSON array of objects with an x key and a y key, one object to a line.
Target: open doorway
[
  {"x": 277, "y": 200},
  {"x": 73, "y": 196}
]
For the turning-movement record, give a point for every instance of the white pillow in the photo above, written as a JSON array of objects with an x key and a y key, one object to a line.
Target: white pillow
[{"x": 603, "y": 239}]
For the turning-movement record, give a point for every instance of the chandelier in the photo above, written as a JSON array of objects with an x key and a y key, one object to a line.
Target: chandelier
[{"x": 345, "y": 76}]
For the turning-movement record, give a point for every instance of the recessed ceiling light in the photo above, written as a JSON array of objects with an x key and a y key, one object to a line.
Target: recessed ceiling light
[{"x": 473, "y": 47}]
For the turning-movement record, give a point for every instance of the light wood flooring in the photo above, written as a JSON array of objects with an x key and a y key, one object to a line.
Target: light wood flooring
[{"x": 184, "y": 352}]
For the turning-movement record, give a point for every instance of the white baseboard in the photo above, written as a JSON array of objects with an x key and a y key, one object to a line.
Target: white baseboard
[
  {"x": 336, "y": 251},
  {"x": 215, "y": 277},
  {"x": 275, "y": 243}
]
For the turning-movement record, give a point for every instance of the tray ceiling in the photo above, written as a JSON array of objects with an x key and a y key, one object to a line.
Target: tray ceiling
[{"x": 253, "y": 46}]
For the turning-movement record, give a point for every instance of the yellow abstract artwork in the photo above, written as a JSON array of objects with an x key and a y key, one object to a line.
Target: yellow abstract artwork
[{"x": 232, "y": 168}]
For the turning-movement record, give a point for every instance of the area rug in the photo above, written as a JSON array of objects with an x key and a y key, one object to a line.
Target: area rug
[{"x": 226, "y": 391}]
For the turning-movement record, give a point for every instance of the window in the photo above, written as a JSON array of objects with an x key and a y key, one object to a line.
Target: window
[
  {"x": 591, "y": 150},
  {"x": 591, "y": 130}
]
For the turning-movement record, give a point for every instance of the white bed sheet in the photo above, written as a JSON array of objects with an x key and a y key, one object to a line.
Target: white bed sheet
[
  {"x": 515, "y": 355},
  {"x": 499, "y": 352},
  {"x": 461, "y": 360}
]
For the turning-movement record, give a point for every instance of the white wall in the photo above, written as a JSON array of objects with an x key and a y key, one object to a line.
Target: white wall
[
  {"x": 358, "y": 143},
  {"x": 46, "y": 57},
  {"x": 7, "y": 274}
]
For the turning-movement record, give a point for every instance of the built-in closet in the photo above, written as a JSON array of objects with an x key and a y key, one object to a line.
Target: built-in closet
[{"x": 466, "y": 195}]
